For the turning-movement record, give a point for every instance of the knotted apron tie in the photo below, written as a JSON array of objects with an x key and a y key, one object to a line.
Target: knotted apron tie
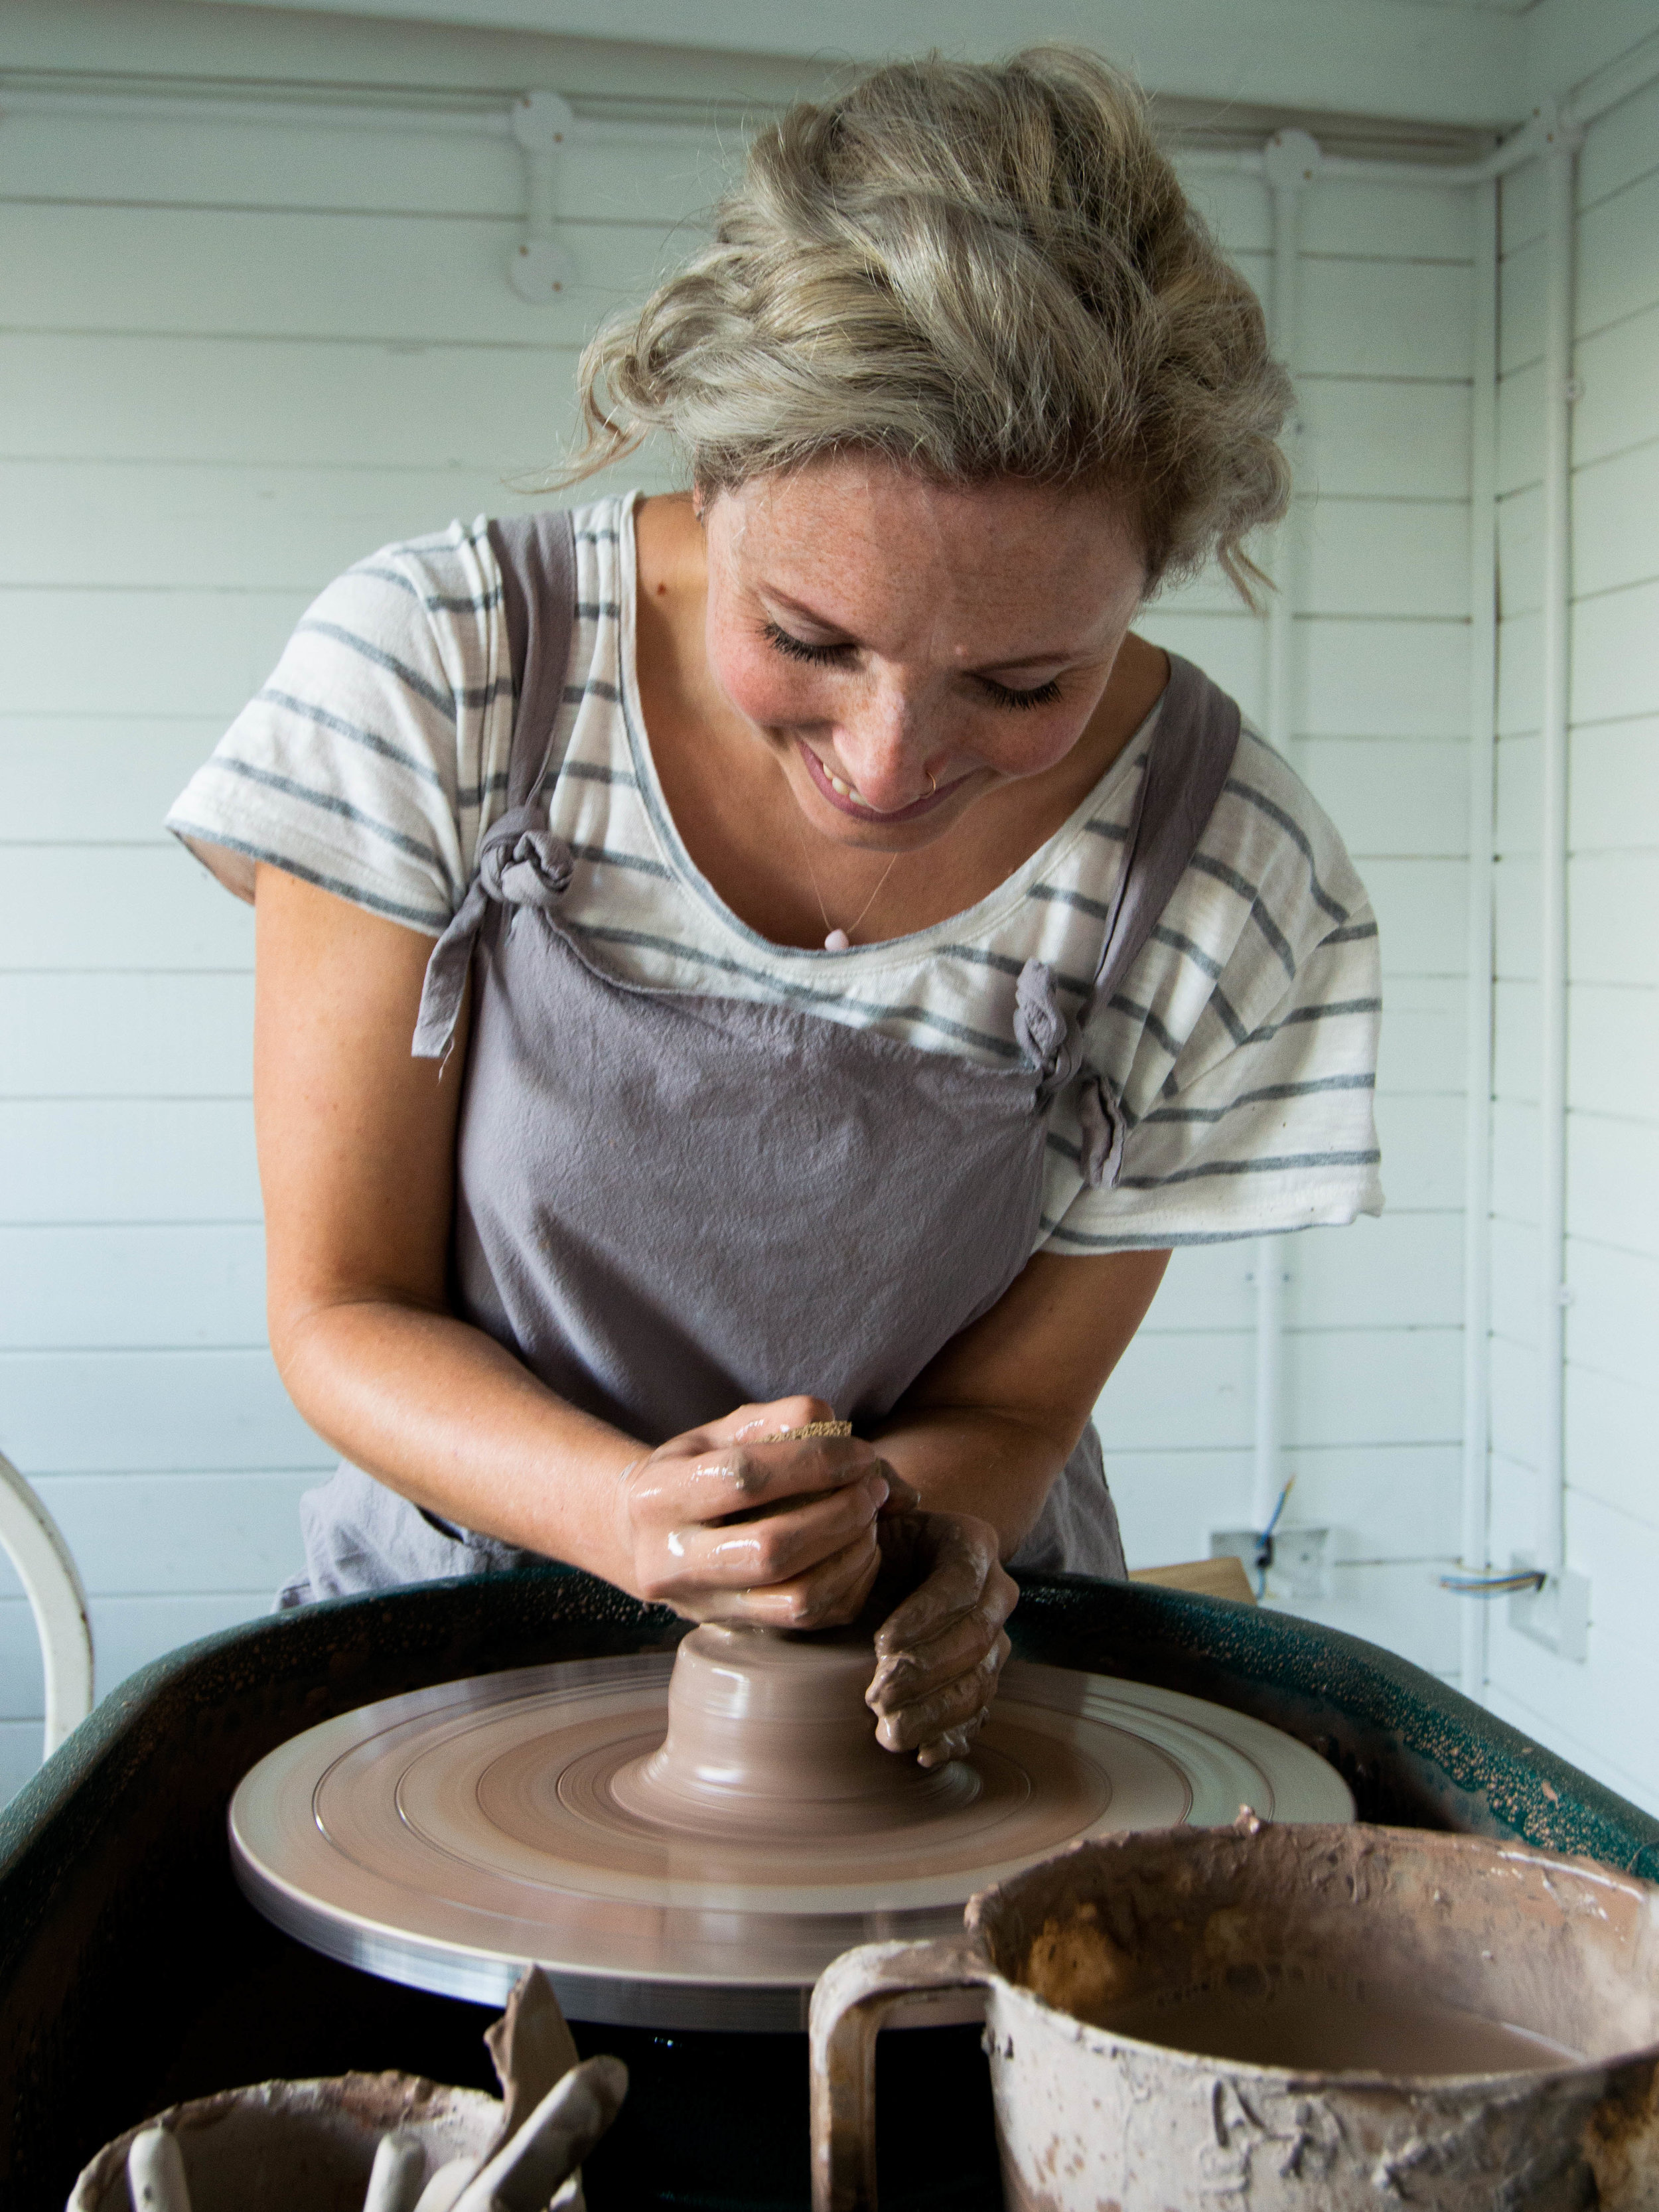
[
  {"x": 1053, "y": 1043},
  {"x": 521, "y": 863}
]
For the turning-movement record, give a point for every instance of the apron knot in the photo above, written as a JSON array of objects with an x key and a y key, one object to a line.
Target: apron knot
[
  {"x": 521, "y": 864},
  {"x": 1053, "y": 1044}
]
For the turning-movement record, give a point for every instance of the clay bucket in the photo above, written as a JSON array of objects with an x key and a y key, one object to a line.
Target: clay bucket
[
  {"x": 281, "y": 2145},
  {"x": 1099, "y": 2121}
]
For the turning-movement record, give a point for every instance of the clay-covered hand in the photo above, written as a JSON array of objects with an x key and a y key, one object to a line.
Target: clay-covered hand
[
  {"x": 939, "y": 1654},
  {"x": 728, "y": 1523}
]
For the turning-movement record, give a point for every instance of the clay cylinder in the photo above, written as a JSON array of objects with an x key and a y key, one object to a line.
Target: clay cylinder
[{"x": 769, "y": 1734}]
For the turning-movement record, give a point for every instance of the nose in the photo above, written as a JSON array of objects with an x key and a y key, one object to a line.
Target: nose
[{"x": 882, "y": 746}]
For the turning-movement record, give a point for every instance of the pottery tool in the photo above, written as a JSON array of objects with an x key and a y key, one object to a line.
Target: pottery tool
[{"x": 687, "y": 1842}]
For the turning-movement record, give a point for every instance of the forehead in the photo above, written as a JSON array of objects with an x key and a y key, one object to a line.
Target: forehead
[{"x": 856, "y": 522}]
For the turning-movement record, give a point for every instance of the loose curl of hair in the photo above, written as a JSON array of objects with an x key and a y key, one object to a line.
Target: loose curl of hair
[{"x": 978, "y": 272}]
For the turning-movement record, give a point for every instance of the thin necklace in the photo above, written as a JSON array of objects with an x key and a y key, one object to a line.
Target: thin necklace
[{"x": 838, "y": 940}]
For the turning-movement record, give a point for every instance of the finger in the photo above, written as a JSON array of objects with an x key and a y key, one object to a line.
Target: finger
[
  {"x": 833, "y": 1593},
  {"x": 780, "y": 1545},
  {"x": 954, "y": 1743},
  {"x": 902, "y": 1497},
  {"x": 750, "y": 1424},
  {"x": 922, "y": 1720},
  {"x": 964, "y": 1554},
  {"x": 903, "y": 1676}
]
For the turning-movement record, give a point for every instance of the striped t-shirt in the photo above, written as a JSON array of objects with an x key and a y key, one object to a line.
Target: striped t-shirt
[{"x": 1241, "y": 1045}]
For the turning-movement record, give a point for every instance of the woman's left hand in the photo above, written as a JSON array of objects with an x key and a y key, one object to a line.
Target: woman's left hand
[{"x": 941, "y": 1652}]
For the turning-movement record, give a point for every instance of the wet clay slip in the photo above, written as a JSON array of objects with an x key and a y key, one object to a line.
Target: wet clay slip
[{"x": 694, "y": 1852}]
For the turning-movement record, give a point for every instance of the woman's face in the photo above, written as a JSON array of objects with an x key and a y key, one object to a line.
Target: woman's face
[{"x": 905, "y": 648}]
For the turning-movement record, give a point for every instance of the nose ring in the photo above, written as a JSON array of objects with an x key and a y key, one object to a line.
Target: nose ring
[{"x": 933, "y": 787}]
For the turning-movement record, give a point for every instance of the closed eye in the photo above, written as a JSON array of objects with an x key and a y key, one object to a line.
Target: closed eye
[
  {"x": 1038, "y": 694},
  {"x": 797, "y": 648}
]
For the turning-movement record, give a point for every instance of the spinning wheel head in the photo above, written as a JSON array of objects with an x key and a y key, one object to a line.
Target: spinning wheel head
[{"x": 694, "y": 1856}]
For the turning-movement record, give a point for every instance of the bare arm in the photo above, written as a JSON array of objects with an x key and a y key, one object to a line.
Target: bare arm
[
  {"x": 356, "y": 1161},
  {"x": 988, "y": 1427}
]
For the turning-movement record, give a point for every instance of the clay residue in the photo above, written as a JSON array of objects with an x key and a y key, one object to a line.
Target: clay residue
[{"x": 1074, "y": 1965}]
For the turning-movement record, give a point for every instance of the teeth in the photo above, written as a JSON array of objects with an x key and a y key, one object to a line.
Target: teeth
[{"x": 835, "y": 784}]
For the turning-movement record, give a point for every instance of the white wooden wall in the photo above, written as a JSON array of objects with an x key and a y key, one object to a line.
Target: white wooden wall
[
  {"x": 1373, "y": 1412},
  {"x": 1605, "y": 1713},
  {"x": 232, "y": 360}
]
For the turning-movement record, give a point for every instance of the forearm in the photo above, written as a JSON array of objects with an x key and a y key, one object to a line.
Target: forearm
[
  {"x": 440, "y": 1413},
  {"x": 996, "y": 1464}
]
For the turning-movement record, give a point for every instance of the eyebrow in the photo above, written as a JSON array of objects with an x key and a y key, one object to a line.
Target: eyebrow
[{"x": 1023, "y": 660}]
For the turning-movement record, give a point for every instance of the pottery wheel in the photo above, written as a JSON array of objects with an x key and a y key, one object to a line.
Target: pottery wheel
[{"x": 447, "y": 1838}]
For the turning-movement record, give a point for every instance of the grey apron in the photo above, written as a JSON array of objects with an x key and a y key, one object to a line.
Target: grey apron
[{"x": 669, "y": 1205}]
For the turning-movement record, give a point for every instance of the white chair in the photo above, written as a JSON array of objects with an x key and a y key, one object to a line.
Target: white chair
[{"x": 45, "y": 1565}]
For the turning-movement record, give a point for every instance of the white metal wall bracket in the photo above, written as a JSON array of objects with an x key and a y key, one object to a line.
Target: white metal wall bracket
[{"x": 541, "y": 266}]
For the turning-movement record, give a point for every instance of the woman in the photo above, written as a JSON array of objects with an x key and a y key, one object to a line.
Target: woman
[{"x": 861, "y": 957}]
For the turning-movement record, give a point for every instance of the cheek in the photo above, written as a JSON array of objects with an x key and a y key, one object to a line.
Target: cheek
[{"x": 761, "y": 684}]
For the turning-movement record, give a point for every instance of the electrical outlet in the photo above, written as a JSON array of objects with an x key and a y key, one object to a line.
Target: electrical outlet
[
  {"x": 1301, "y": 1564},
  {"x": 1557, "y": 1616}
]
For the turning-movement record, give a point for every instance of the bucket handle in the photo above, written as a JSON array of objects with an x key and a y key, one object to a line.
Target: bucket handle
[{"x": 854, "y": 1996}]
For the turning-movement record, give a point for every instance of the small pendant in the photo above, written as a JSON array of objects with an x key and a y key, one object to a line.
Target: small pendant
[{"x": 838, "y": 941}]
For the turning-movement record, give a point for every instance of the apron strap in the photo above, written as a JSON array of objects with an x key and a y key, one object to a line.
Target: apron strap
[
  {"x": 520, "y": 864},
  {"x": 1187, "y": 763},
  {"x": 536, "y": 556}
]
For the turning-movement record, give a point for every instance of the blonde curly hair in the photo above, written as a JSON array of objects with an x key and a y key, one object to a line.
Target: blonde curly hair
[{"x": 978, "y": 272}]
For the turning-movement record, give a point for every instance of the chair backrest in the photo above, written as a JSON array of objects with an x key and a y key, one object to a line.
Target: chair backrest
[{"x": 47, "y": 1572}]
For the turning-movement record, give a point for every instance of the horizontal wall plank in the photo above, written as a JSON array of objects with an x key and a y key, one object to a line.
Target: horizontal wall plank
[
  {"x": 1612, "y": 1053},
  {"x": 1617, "y": 271},
  {"x": 1615, "y": 672},
  {"x": 1520, "y": 675},
  {"x": 136, "y": 906},
  {"x": 1376, "y": 1500},
  {"x": 165, "y": 1413},
  {"x": 156, "y": 652},
  {"x": 1581, "y": 1719},
  {"x": 1613, "y": 770},
  {"x": 1422, "y": 1140},
  {"x": 1516, "y": 919},
  {"x": 1521, "y": 306},
  {"x": 1610, "y": 1428},
  {"x": 281, "y": 275},
  {"x": 1514, "y": 1419},
  {"x": 1424, "y": 1027},
  {"x": 1420, "y": 910},
  {"x": 1383, "y": 679},
  {"x": 1516, "y": 796},
  {"x": 1386, "y": 556},
  {"x": 1612, "y": 1192},
  {"x": 1614, "y": 540},
  {"x": 1347, "y": 216},
  {"x": 168, "y": 1535},
  {"x": 1376, "y": 438},
  {"x": 1610, "y": 900},
  {"x": 1401, "y": 1270},
  {"x": 1515, "y": 1041},
  {"x": 1515, "y": 1161},
  {"x": 143, "y": 1284},
  {"x": 19, "y": 1755},
  {"x": 1229, "y": 647},
  {"x": 244, "y": 403},
  {"x": 1514, "y": 1279},
  {"x": 91, "y": 780},
  {"x": 1383, "y": 318},
  {"x": 1612, "y": 415},
  {"x": 127, "y": 1037},
  {"x": 1343, "y": 1387},
  {"x": 1615, "y": 1295},
  {"x": 1402, "y": 797},
  {"x": 221, "y": 165},
  {"x": 115, "y": 1160},
  {"x": 1620, "y": 147}
]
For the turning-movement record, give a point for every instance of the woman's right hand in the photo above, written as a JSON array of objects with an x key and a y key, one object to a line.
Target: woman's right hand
[{"x": 723, "y": 1524}]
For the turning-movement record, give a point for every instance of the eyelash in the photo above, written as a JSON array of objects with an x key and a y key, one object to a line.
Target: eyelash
[{"x": 831, "y": 656}]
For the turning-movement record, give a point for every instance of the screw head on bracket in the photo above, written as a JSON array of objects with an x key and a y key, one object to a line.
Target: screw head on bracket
[
  {"x": 1292, "y": 159},
  {"x": 540, "y": 270},
  {"x": 541, "y": 121}
]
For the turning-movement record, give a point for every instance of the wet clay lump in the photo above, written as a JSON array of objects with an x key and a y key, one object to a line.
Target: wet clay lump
[{"x": 769, "y": 1737}]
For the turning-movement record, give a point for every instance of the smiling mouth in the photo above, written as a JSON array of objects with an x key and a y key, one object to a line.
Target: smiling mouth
[{"x": 848, "y": 801}]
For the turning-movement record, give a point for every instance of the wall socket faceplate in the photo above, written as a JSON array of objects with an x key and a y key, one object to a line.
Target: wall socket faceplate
[
  {"x": 1557, "y": 1616},
  {"x": 1301, "y": 1564}
]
